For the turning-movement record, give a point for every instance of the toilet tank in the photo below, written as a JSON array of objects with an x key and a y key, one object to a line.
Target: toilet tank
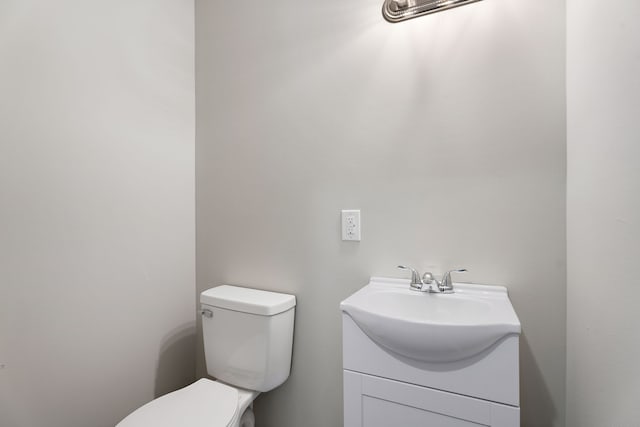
[{"x": 248, "y": 336}]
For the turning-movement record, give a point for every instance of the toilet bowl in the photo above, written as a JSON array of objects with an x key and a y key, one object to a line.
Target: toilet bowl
[{"x": 248, "y": 338}]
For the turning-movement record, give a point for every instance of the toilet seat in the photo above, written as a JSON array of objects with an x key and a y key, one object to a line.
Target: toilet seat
[{"x": 204, "y": 403}]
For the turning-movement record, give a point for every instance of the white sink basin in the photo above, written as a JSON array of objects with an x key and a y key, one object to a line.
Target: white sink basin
[{"x": 432, "y": 327}]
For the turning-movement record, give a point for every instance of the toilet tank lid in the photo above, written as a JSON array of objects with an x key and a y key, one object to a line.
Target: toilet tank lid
[{"x": 248, "y": 300}]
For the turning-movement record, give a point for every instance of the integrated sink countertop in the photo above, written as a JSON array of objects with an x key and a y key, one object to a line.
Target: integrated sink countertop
[{"x": 434, "y": 327}]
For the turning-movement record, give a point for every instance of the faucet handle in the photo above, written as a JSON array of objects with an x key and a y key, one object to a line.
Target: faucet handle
[
  {"x": 446, "y": 284},
  {"x": 416, "y": 282}
]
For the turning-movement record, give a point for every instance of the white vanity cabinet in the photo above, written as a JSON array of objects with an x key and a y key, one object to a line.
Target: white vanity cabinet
[{"x": 385, "y": 389}]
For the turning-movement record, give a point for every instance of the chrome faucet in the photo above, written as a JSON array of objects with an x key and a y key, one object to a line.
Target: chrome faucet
[{"x": 425, "y": 283}]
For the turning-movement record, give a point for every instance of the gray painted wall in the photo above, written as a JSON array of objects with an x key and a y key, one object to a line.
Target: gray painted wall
[
  {"x": 96, "y": 208},
  {"x": 603, "y": 211},
  {"x": 448, "y": 131}
]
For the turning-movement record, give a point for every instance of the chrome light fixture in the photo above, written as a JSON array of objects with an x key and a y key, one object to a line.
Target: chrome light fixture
[{"x": 400, "y": 10}]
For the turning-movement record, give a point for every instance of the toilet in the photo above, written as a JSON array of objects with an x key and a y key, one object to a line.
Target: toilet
[{"x": 248, "y": 338}]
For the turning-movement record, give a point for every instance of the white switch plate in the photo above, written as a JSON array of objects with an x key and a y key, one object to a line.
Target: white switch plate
[{"x": 351, "y": 225}]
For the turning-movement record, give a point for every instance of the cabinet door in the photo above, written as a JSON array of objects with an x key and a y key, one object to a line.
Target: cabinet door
[{"x": 379, "y": 402}]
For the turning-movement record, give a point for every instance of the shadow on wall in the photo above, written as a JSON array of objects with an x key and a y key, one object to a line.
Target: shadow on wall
[
  {"x": 177, "y": 361},
  {"x": 535, "y": 398}
]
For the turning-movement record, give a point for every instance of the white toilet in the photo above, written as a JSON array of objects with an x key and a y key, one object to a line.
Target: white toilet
[{"x": 248, "y": 338}]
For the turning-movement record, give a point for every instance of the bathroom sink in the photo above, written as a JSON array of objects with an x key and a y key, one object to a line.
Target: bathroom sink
[{"x": 432, "y": 327}]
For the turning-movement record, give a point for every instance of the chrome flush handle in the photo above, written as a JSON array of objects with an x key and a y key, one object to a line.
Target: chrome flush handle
[{"x": 206, "y": 313}]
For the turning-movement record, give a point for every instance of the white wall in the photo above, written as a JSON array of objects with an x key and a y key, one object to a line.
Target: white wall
[
  {"x": 448, "y": 131},
  {"x": 603, "y": 213},
  {"x": 96, "y": 208}
]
